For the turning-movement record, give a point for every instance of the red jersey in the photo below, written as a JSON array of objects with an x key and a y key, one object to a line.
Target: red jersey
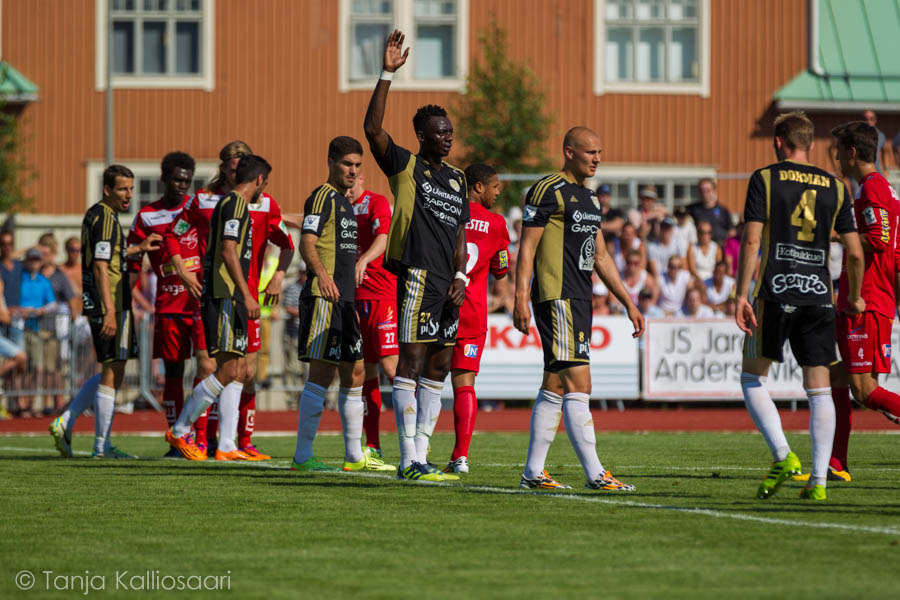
[
  {"x": 172, "y": 296},
  {"x": 265, "y": 219},
  {"x": 488, "y": 240},
  {"x": 373, "y": 217},
  {"x": 877, "y": 211},
  {"x": 196, "y": 213}
]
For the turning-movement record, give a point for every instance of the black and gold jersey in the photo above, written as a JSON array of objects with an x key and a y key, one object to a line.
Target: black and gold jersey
[
  {"x": 328, "y": 214},
  {"x": 429, "y": 207},
  {"x": 102, "y": 240},
  {"x": 570, "y": 215},
  {"x": 230, "y": 220},
  {"x": 799, "y": 206}
]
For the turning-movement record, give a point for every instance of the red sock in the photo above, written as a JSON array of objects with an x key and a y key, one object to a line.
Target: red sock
[
  {"x": 881, "y": 399},
  {"x": 372, "y": 395},
  {"x": 465, "y": 409},
  {"x": 212, "y": 423},
  {"x": 173, "y": 398},
  {"x": 200, "y": 423},
  {"x": 246, "y": 418},
  {"x": 843, "y": 411}
]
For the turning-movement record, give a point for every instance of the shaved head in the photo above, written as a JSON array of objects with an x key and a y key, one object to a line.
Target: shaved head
[{"x": 579, "y": 137}]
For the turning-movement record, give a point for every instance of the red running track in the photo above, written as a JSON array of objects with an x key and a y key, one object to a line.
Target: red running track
[{"x": 516, "y": 420}]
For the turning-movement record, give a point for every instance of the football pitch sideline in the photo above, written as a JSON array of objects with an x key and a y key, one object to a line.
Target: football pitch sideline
[{"x": 113, "y": 528}]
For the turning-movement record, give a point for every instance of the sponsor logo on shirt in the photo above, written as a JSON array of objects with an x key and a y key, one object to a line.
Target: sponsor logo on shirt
[
  {"x": 471, "y": 351},
  {"x": 160, "y": 217},
  {"x": 311, "y": 223},
  {"x": 805, "y": 284},
  {"x": 362, "y": 207},
  {"x": 530, "y": 212},
  {"x": 504, "y": 259},
  {"x": 806, "y": 256},
  {"x": 103, "y": 250},
  {"x": 886, "y": 350},
  {"x": 869, "y": 216},
  {"x": 454, "y": 184},
  {"x": 231, "y": 227},
  {"x": 885, "y": 226},
  {"x": 586, "y": 257},
  {"x": 181, "y": 227},
  {"x": 190, "y": 240}
]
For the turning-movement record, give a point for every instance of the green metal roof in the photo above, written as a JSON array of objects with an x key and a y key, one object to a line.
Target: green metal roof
[
  {"x": 15, "y": 87},
  {"x": 854, "y": 58}
]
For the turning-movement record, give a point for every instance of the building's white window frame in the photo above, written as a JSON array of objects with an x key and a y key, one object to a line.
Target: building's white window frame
[
  {"x": 142, "y": 169},
  {"x": 634, "y": 176},
  {"x": 404, "y": 19},
  {"x": 700, "y": 87},
  {"x": 205, "y": 80}
]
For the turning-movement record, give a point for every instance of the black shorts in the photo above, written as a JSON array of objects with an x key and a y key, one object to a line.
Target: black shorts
[
  {"x": 427, "y": 315},
  {"x": 565, "y": 329},
  {"x": 224, "y": 325},
  {"x": 122, "y": 346},
  {"x": 329, "y": 331},
  {"x": 810, "y": 330}
]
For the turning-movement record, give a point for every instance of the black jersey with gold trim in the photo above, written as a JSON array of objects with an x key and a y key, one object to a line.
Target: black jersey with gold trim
[
  {"x": 429, "y": 206},
  {"x": 564, "y": 260},
  {"x": 329, "y": 215},
  {"x": 230, "y": 220},
  {"x": 799, "y": 206},
  {"x": 102, "y": 240}
]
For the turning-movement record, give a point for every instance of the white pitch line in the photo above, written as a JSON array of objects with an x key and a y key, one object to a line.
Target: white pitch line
[{"x": 574, "y": 497}]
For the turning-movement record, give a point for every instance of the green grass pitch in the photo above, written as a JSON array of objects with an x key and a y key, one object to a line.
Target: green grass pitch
[{"x": 692, "y": 529}]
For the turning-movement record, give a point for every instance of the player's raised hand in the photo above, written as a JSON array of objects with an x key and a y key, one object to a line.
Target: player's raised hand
[
  {"x": 744, "y": 316},
  {"x": 394, "y": 55}
]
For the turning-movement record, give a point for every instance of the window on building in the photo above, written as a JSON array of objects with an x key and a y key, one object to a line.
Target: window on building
[
  {"x": 654, "y": 46},
  {"x": 437, "y": 29},
  {"x": 156, "y": 43}
]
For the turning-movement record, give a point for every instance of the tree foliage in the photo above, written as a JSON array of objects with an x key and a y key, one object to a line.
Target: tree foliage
[
  {"x": 501, "y": 118},
  {"x": 14, "y": 171}
]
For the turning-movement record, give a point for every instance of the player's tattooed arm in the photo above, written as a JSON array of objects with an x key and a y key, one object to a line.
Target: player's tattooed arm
[
  {"x": 605, "y": 267},
  {"x": 394, "y": 58},
  {"x": 528, "y": 244}
]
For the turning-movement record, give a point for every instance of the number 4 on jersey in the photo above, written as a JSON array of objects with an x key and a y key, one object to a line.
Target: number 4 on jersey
[{"x": 804, "y": 216}]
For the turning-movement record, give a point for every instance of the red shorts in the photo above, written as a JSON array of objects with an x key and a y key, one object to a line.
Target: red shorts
[
  {"x": 467, "y": 353},
  {"x": 177, "y": 337},
  {"x": 865, "y": 342},
  {"x": 378, "y": 326},
  {"x": 253, "y": 341}
]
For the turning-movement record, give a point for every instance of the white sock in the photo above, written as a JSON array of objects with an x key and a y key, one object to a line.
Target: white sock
[
  {"x": 821, "y": 432},
  {"x": 403, "y": 397},
  {"x": 104, "y": 409},
  {"x": 544, "y": 422},
  {"x": 351, "y": 407},
  {"x": 765, "y": 414},
  {"x": 312, "y": 403},
  {"x": 204, "y": 394},
  {"x": 580, "y": 427},
  {"x": 83, "y": 400},
  {"x": 229, "y": 404},
  {"x": 428, "y": 399}
]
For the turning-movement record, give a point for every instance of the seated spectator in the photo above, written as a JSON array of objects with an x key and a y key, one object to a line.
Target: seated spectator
[
  {"x": 668, "y": 245},
  {"x": 613, "y": 218},
  {"x": 685, "y": 230},
  {"x": 731, "y": 252},
  {"x": 730, "y": 308},
  {"x": 600, "y": 300},
  {"x": 694, "y": 308},
  {"x": 719, "y": 287},
  {"x": 709, "y": 210},
  {"x": 647, "y": 306},
  {"x": 636, "y": 278},
  {"x": 628, "y": 241},
  {"x": 673, "y": 286},
  {"x": 652, "y": 213},
  {"x": 703, "y": 256}
]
